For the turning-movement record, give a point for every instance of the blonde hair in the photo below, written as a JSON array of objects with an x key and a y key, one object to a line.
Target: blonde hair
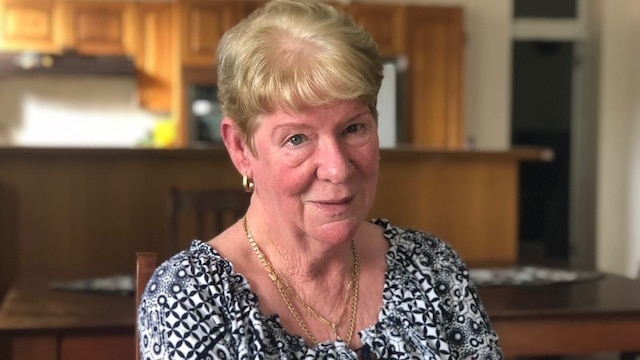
[{"x": 294, "y": 55}]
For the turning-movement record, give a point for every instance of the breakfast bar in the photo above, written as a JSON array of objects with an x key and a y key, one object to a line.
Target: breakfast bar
[{"x": 59, "y": 207}]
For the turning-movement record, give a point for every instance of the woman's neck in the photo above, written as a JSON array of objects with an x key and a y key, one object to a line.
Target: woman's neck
[{"x": 308, "y": 265}]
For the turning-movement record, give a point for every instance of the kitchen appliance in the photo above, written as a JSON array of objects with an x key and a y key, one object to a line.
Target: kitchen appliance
[
  {"x": 205, "y": 115},
  {"x": 68, "y": 63},
  {"x": 391, "y": 102}
]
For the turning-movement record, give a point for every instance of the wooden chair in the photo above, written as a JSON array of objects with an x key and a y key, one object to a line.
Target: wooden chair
[
  {"x": 201, "y": 214},
  {"x": 146, "y": 263},
  {"x": 212, "y": 209}
]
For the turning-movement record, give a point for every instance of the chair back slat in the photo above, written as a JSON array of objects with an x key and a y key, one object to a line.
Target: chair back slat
[
  {"x": 202, "y": 214},
  {"x": 146, "y": 263}
]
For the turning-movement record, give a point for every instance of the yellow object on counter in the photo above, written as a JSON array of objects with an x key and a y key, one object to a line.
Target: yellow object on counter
[{"x": 164, "y": 134}]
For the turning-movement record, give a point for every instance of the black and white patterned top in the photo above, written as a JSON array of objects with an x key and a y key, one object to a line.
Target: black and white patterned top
[{"x": 196, "y": 306}]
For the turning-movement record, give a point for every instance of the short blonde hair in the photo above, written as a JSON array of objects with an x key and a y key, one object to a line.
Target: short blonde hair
[{"x": 294, "y": 55}]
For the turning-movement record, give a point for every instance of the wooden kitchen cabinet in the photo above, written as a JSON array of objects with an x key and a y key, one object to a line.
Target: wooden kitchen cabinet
[
  {"x": 203, "y": 24},
  {"x": 100, "y": 27},
  {"x": 87, "y": 27},
  {"x": 30, "y": 25},
  {"x": 155, "y": 56},
  {"x": 251, "y": 5},
  {"x": 435, "y": 42},
  {"x": 385, "y": 23}
]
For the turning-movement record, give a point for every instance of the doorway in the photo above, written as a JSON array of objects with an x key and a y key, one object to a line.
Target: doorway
[
  {"x": 553, "y": 75},
  {"x": 541, "y": 115}
]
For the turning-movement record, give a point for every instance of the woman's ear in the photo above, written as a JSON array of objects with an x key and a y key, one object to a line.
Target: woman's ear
[{"x": 235, "y": 143}]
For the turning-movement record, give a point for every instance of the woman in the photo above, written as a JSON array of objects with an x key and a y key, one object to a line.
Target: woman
[{"x": 303, "y": 275}]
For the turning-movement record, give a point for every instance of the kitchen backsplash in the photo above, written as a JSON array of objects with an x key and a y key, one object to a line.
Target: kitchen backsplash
[{"x": 71, "y": 111}]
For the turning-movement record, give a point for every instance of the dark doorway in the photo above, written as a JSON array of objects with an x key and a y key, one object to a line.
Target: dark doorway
[{"x": 541, "y": 116}]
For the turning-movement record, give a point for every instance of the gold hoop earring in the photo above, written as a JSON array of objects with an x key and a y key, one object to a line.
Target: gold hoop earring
[{"x": 247, "y": 183}]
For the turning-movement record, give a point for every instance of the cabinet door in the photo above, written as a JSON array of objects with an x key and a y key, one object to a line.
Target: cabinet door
[
  {"x": 385, "y": 23},
  {"x": 155, "y": 55},
  {"x": 100, "y": 28},
  {"x": 251, "y": 5},
  {"x": 29, "y": 25},
  {"x": 435, "y": 51},
  {"x": 203, "y": 24}
]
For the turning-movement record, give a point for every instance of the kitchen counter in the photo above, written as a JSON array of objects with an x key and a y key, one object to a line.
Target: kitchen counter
[{"x": 85, "y": 212}]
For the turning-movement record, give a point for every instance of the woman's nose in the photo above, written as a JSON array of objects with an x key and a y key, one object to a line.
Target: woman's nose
[{"x": 333, "y": 162}]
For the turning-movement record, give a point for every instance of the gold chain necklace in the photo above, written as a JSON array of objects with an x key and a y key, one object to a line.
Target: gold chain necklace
[{"x": 283, "y": 288}]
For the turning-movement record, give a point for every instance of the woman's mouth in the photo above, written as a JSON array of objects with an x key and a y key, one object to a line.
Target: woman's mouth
[{"x": 334, "y": 205}]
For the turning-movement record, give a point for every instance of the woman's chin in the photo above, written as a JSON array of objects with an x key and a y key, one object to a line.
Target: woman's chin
[{"x": 336, "y": 232}]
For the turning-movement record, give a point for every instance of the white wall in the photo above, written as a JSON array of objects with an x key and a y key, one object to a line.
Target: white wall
[
  {"x": 80, "y": 111},
  {"x": 618, "y": 189},
  {"x": 488, "y": 72}
]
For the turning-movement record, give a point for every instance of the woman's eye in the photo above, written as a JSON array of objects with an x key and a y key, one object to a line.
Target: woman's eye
[
  {"x": 296, "y": 139},
  {"x": 353, "y": 128}
]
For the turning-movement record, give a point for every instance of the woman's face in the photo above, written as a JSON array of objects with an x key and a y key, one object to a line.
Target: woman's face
[{"x": 315, "y": 172}]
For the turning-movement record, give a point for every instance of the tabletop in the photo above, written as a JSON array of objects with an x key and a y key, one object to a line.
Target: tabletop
[
  {"x": 606, "y": 295},
  {"x": 30, "y": 305}
]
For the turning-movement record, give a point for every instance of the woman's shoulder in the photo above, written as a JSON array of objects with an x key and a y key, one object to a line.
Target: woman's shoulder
[
  {"x": 422, "y": 251},
  {"x": 192, "y": 261},
  {"x": 191, "y": 297},
  {"x": 198, "y": 267},
  {"x": 414, "y": 242}
]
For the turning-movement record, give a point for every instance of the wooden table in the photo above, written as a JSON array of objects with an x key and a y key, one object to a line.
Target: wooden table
[
  {"x": 44, "y": 324},
  {"x": 576, "y": 318},
  {"x": 591, "y": 316}
]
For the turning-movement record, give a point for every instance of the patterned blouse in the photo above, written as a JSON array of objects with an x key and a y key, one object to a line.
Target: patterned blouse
[{"x": 196, "y": 306}]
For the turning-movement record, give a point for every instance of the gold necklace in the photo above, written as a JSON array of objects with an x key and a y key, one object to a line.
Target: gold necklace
[
  {"x": 332, "y": 324},
  {"x": 283, "y": 288}
]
